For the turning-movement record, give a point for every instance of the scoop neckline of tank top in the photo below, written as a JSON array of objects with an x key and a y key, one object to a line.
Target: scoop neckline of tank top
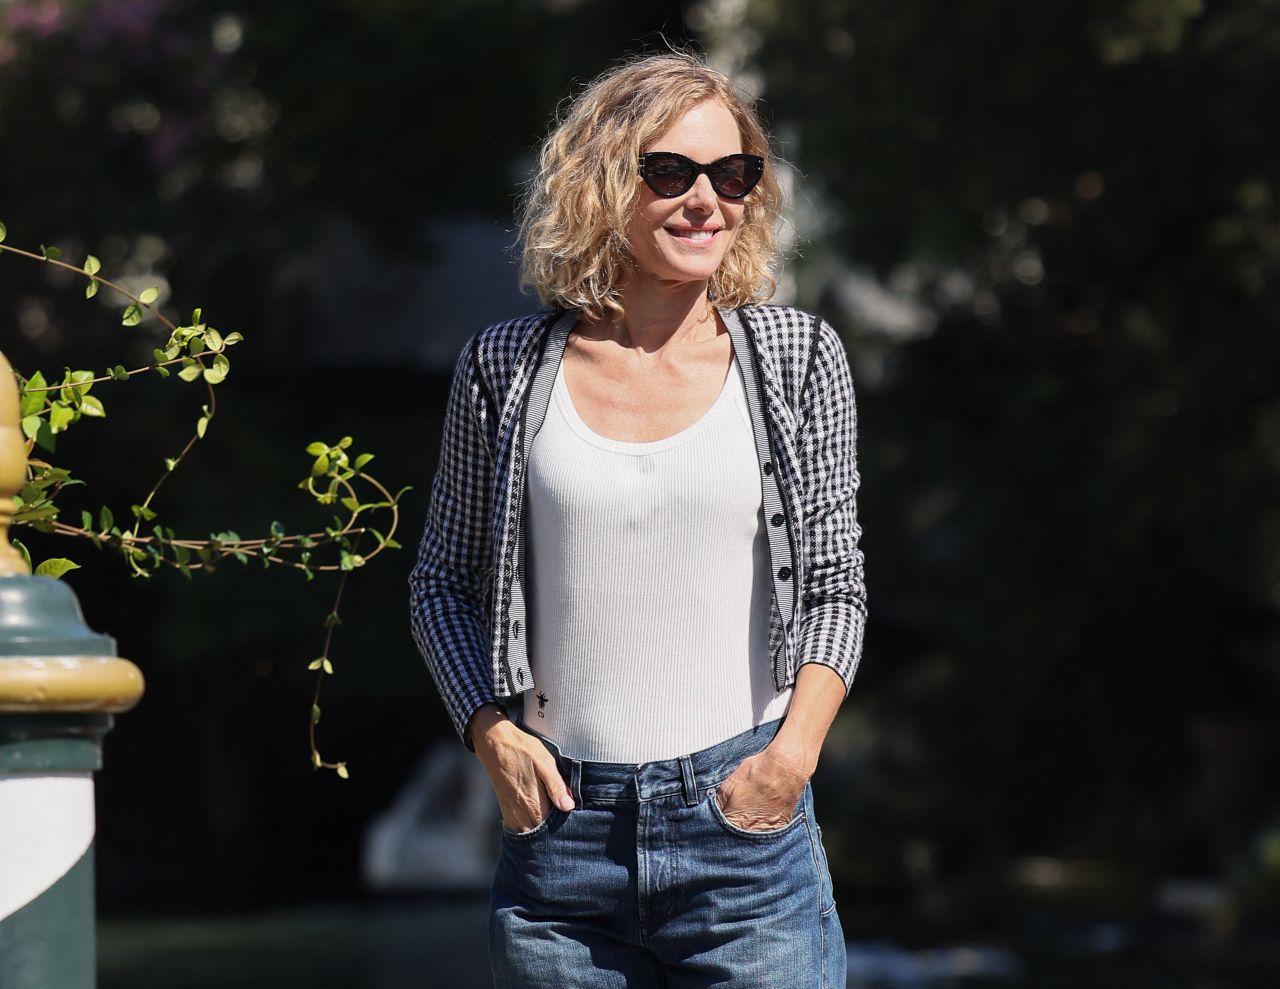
[{"x": 643, "y": 448}]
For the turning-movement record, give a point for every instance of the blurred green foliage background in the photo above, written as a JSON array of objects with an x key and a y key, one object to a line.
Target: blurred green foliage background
[{"x": 1050, "y": 234}]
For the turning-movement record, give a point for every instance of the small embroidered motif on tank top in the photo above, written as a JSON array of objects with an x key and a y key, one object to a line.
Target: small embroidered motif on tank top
[{"x": 542, "y": 702}]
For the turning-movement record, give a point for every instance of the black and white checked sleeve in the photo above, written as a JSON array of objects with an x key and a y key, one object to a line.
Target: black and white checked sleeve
[
  {"x": 834, "y": 595},
  {"x": 450, "y": 585}
]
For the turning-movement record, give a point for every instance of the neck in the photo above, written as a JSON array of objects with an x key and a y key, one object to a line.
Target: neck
[{"x": 661, "y": 313}]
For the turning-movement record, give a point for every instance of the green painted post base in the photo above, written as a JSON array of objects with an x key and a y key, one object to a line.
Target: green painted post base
[{"x": 50, "y": 942}]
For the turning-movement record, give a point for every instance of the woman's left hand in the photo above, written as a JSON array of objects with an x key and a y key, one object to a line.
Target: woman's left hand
[{"x": 762, "y": 792}]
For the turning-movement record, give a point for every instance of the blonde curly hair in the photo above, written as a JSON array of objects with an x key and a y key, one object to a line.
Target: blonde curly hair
[{"x": 575, "y": 211}]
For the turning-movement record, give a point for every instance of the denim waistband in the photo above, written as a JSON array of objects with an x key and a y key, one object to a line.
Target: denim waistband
[{"x": 618, "y": 782}]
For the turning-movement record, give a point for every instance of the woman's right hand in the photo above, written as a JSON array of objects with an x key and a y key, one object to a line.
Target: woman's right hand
[{"x": 524, "y": 774}]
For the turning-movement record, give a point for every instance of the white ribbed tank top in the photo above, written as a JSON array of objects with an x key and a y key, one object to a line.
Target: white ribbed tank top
[{"x": 650, "y": 586}]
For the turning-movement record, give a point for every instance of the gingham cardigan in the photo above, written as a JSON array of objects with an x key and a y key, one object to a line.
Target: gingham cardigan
[{"x": 467, "y": 593}]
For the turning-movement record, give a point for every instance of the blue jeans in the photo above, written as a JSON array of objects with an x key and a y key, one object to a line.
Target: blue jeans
[{"x": 646, "y": 883}]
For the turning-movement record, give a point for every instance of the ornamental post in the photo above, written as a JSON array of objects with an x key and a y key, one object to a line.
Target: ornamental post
[{"x": 60, "y": 685}]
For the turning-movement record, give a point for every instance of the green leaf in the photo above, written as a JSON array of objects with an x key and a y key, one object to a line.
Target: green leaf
[
  {"x": 327, "y": 666},
  {"x": 232, "y": 339},
  {"x": 190, "y": 370},
  {"x": 31, "y": 425},
  {"x": 50, "y": 253},
  {"x": 202, "y": 424},
  {"x": 118, "y": 373},
  {"x": 56, "y": 567},
  {"x": 317, "y": 448},
  {"x": 106, "y": 521},
  {"x": 195, "y": 316},
  {"x": 86, "y": 520},
  {"x": 361, "y": 460},
  {"x": 3, "y": 232},
  {"x": 142, "y": 512},
  {"x": 315, "y": 759},
  {"x": 215, "y": 375},
  {"x": 132, "y": 315},
  {"x": 345, "y": 442},
  {"x": 33, "y": 400},
  {"x": 342, "y": 772},
  {"x": 91, "y": 290},
  {"x": 20, "y": 546},
  {"x": 213, "y": 339},
  {"x": 332, "y": 619},
  {"x": 277, "y": 530},
  {"x": 149, "y": 296},
  {"x": 60, "y": 417},
  {"x": 351, "y": 504},
  {"x": 92, "y": 265},
  {"x": 315, "y": 664},
  {"x": 391, "y": 544},
  {"x": 45, "y": 437},
  {"x": 162, "y": 371},
  {"x": 91, "y": 405},
  {"x": 315, "y": 714},
  {"x": 170, "y": 463},
  {"x": 320, "y": 467}
]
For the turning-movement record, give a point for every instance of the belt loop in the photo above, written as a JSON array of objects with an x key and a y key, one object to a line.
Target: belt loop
[
  {"x": 575, "y": 781},
  {"x": 690, "y": 784}
]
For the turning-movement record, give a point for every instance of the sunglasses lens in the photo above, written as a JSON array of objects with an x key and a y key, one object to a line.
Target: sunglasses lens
[
  {"x": 668, "y": 175},
  {"x": 737, "y": 175}
]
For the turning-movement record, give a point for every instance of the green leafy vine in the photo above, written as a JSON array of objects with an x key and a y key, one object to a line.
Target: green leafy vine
[{"x": 196, "y": 352}]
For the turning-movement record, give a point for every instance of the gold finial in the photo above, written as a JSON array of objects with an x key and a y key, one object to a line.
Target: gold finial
[{"x": 13, "y": 467}]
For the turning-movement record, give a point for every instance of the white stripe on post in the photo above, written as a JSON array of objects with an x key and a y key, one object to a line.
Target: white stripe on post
[{"x": 46, "y": 826}]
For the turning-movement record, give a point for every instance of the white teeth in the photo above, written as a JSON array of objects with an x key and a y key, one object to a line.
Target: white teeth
[{"x": 695, "y": 234}]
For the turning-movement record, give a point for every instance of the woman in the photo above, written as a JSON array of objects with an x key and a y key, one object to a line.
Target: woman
[{"x": 643, "y": 538}]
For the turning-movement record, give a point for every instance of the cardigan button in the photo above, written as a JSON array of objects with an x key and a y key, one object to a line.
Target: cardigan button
[
  {"x": 784, "y": 573},
  {"x": 768, "y": 466},
  {"x": 515, "y": 628},
  {"x": 777, "y": 518}
]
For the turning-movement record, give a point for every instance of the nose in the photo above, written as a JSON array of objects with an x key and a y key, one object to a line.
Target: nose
[{"x": 701, "y": 197}]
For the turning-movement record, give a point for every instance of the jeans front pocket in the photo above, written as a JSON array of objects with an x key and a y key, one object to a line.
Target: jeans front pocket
[
  {"x": 537, "y": 831},
  {"x": 714, "y": 803}
]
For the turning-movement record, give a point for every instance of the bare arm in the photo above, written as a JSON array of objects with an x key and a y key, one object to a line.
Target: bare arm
[{"x": 762, "y": 792}]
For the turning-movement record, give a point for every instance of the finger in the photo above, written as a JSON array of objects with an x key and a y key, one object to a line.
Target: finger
[{"x": 553, "y": 783}]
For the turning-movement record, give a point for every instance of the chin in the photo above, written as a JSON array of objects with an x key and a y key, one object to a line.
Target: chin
[{"x": 694, "y": 272}]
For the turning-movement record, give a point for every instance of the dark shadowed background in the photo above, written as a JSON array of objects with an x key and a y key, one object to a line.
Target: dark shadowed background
[{"x": 1050, "y": 236}]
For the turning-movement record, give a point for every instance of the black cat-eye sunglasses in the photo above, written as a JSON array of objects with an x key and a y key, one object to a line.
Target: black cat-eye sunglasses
[{"x": 670, "y": 175}]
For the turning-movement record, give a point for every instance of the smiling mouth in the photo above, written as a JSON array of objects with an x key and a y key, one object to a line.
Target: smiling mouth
[{"x": 700, "y": 236}]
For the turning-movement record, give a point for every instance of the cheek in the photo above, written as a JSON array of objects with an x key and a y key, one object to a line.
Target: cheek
[{"x": 646, "y": 223}]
